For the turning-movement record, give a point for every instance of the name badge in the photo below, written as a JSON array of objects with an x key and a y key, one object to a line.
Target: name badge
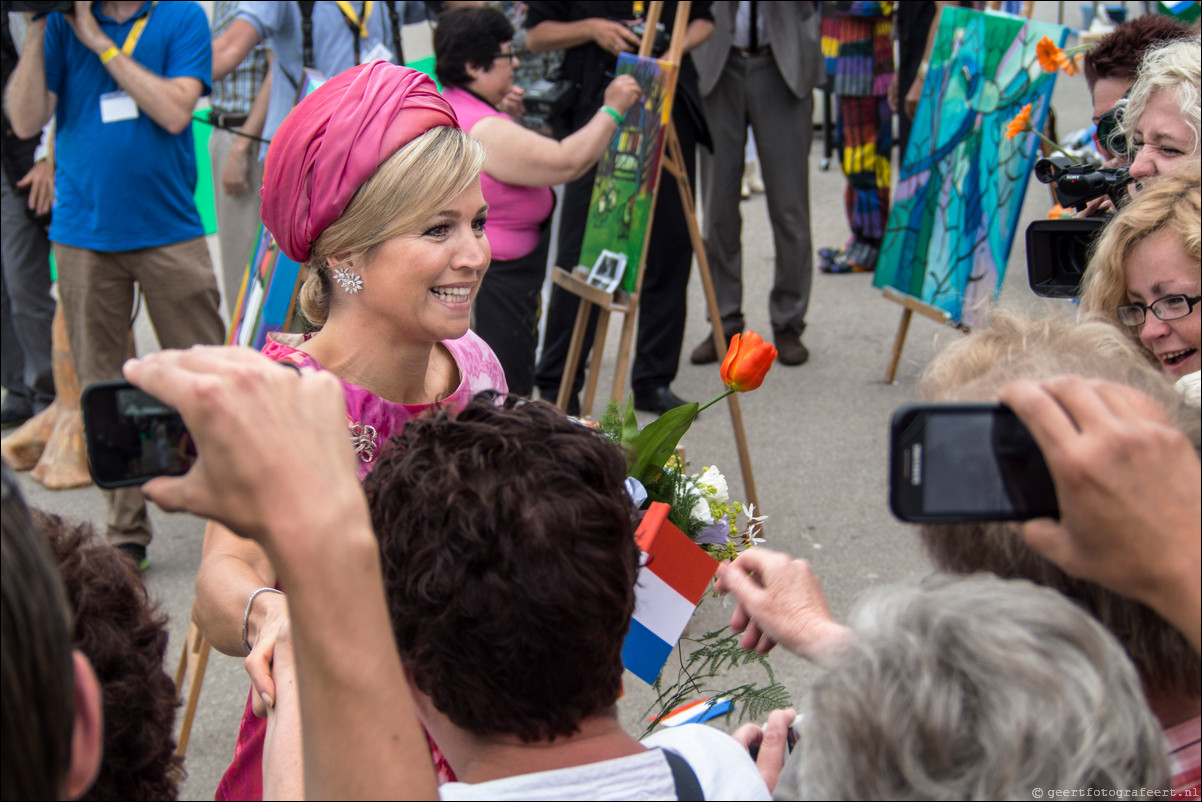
[
  {"x": 379, "y": 51},
  {"x": 117, "y": 106}
]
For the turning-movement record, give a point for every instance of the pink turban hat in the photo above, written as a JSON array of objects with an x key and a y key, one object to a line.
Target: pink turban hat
[{"x": 334, "y": 140}]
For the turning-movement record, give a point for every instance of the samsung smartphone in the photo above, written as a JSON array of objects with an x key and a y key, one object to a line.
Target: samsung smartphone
[
  {"x": 132, "y": 437},
  {"x": 952, "y": 463}
]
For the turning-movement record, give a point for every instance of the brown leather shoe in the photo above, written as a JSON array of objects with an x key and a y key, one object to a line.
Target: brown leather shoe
[
  {"x": 705, "y": 353},
  {"x": 789, "y": 348}
]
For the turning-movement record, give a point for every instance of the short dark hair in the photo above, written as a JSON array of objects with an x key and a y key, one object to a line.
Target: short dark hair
[
  {"x": 38, "y": 676},
  {"x": 124, "y": 637},
  {"x": 466, "y": 36},
  {"x": 1118, "y": 53},
  {"x": 507, "y": 547}
]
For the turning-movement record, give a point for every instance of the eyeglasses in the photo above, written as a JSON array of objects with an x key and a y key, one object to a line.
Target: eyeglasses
[
  {"x": 507, "y": 56},
  {"x": 1170, "y": 307},
  {"x": 1109, "y": 136}
]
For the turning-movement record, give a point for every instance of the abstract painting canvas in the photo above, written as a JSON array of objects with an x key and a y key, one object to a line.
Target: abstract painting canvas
[{"x": 962, "y": 182}]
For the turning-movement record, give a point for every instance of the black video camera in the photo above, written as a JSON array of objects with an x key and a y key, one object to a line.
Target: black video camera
[
  {"x": 1077, "y": 184},
  {"x": 1058, "y": 250}
]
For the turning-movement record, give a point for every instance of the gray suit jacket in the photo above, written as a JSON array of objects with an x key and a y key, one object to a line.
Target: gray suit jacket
[{"x": 794, "y": 37}]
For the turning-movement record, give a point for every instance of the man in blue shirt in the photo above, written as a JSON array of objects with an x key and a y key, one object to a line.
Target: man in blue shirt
[{"x": 123, "y": 79}]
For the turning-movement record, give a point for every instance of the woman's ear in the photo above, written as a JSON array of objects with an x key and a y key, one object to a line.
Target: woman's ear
[
  {"x": 87, "y": 738},
  {"x": 474, "y": 71}
]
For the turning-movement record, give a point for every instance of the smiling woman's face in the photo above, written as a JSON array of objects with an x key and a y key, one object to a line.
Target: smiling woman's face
[{"x": 1156, "y": 267}]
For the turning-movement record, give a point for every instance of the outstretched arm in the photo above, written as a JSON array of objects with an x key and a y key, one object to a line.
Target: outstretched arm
[{"x": 253, "y": 422}]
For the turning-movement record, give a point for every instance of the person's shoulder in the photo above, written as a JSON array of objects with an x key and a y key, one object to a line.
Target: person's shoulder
[
  {"x": 723, "y": 767},
  {"x": 478, "y": 365}
]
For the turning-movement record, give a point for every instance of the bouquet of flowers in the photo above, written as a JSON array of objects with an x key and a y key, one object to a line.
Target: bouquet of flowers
[
  {"x": 702, "y": 509},
  {"x": 700, "y": 502}
]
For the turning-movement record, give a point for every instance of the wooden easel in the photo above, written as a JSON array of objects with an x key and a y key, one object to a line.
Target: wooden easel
[
  {"x": 628, "y": 303},
  {"x": 910, "y": 305}
]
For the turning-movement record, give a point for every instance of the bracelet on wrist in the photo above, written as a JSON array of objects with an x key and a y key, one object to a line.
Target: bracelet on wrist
[
  {"x": 109, "y": 55},
  {"x": 614, "y": 113},
  {"x": 246, "y": 615}
]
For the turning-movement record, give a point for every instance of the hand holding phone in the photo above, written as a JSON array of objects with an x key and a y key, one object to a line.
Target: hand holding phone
[
  {"x": 955, "y": 463},
  {"x": 132, "y": 437}
]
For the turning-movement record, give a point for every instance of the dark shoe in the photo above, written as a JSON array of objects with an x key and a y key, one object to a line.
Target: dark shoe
[
  {"x": 705, "y": 353},
  {"x": 14, "y": 412},
  {"x": 657, "y": 399},
  {"x": 137, "y": 553},
  {"x": 842, "y": 264},
  {"x": 789, "y": 348}
]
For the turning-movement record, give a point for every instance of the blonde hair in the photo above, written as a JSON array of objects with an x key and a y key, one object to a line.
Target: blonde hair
[
  {"x": 975, "y": 368},
  {"x": 1175, "y": 67},
  {"x": 408, "y": 188},
  {"x": 1171, "y": 203}
]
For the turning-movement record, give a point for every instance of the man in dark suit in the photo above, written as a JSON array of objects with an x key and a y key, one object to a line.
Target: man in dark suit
[{"x": 760, "y": 67}]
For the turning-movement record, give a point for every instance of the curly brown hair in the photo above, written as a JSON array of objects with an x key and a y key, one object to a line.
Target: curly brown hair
[
  {"x": 124, "y": 636},
  {"x": 507, "y": 547}
]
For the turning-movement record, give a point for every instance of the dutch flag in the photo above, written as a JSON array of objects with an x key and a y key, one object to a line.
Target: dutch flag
[{"x": 675, "y": 574}]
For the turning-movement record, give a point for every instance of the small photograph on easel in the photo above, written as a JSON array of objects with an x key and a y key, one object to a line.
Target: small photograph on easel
[{"x": 607, "y": 271}]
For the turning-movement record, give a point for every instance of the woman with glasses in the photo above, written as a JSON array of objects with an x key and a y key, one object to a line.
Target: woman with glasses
[
  {"x": 473, "y": 49},
  {"x": 1144, "y": 275}
]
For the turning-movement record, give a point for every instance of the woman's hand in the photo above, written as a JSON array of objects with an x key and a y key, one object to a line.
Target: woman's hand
[
  {"x": 622, "y": 93},
  {"x": 283, "y": 744},
  {"x": 780, "y": 601},
  {"x": 272, "y": 618},
  {"x": 771, "y": 743}
]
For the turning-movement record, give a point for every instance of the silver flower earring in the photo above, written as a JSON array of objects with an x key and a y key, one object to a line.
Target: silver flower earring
[{"x": 350, "y": 281}]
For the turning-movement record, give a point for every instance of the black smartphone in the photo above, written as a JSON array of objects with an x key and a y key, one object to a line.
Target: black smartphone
[
  {"x": 132, "y": 437},
  {"x": 952, "y": 463}
]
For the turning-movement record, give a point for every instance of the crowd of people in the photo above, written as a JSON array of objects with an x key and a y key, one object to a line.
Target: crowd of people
[{"x": 435, "y": 605}]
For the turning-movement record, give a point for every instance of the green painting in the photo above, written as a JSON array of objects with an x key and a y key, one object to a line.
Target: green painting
[{"x": 623, "y": 192}]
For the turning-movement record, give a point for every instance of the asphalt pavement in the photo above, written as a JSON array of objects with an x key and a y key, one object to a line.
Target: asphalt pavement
[{"x": 817, "y": 434}]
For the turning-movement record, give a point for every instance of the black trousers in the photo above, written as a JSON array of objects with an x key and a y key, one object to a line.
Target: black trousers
[
  {"x": 505, "y": 314},
  {"x": 663, "y": 304}
]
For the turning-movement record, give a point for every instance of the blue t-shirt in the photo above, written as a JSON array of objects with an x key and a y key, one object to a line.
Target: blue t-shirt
[{"x": 129, "y": 184}]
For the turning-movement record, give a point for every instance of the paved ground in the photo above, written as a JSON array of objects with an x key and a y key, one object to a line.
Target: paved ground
[{"x": 817, "y": 434}]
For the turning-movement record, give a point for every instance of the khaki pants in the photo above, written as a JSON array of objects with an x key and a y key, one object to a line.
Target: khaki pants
[{"x": 96, "y": 289}]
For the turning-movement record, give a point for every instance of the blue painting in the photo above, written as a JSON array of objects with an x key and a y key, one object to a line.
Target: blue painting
[{"x": 962, "y": 182}]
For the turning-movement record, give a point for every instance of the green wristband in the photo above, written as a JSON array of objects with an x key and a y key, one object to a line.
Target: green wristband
[{"x": 612, "y": 112}]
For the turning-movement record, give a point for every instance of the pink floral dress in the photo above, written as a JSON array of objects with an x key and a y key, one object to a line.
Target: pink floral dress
[{"x": 371, "y": 420}]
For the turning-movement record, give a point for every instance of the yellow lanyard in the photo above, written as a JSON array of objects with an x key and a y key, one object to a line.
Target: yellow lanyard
[
  {"x": 348, "y": 11},
  {"x": 135, "y": 33}
]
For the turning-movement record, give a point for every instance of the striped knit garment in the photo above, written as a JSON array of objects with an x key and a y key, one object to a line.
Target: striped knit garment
[{"x": 858, "y": 47}]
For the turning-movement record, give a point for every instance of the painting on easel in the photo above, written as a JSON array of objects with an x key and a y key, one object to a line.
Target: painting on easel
[
  {"x": 958, "y": 200},
  {"x": 624, "y": 189}
]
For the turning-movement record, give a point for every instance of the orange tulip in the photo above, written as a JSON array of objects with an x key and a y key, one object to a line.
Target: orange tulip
[
  {"x": 747, "y": 362},
  {"x": 1020, "y": 123}
]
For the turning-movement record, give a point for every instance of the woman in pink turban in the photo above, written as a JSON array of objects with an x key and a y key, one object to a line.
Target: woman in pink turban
[{"x": 370, "y": 183}]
